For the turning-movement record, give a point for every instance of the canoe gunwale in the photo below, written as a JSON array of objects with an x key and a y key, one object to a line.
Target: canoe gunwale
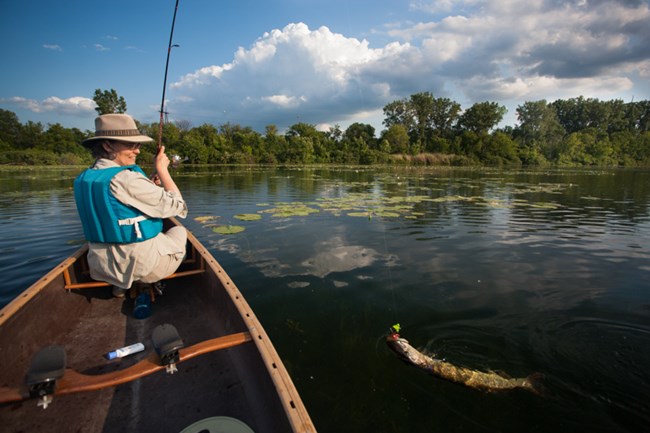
[
  {"x": 17, "y": 303},
  {"x": 291, "y": 401}
]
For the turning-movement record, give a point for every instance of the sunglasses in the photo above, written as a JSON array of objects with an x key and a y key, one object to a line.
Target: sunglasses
[{"x": 130, "y": 146}]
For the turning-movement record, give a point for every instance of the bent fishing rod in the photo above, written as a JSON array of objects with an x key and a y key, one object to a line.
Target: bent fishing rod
[{"x": 162, "y": 104}]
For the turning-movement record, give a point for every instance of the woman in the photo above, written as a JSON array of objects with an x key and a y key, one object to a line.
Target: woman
[{"x": 121, "y": 210}]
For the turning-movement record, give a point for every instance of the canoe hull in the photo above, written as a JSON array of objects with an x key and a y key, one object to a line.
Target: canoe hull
[{"x": 247, "y": 382}]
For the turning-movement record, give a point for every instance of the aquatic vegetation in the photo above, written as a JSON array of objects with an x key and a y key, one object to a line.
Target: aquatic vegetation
[
  {"x": 411, "y": 202},
  {"x": 387, "y": 214},
  {"x": 285, "y": 210},
  {"x": 294, "y": 325},
  {"x": 228, "y": 229},
  {"x": 450, "y": 198},
  {"x": 206, "y": 219},
  {"x": 248, "y": 216},
  {"x": 550, "y": 188}
]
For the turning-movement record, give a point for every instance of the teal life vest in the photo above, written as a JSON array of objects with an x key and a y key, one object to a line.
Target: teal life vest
[{"x": 104, "y": 218}]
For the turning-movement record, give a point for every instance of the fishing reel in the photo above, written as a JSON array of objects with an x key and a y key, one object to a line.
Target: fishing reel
[{"x": 176, "y": 160}]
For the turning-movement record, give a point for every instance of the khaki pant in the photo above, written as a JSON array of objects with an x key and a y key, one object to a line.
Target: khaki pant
[{"x": 169, "y": 263}]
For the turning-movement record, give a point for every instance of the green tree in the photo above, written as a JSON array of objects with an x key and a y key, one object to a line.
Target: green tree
[
  {"x": 444, "y": 115},
  {"x": 298, "y": 150},
  {"x": 58, "y": 139},
  {"x": 273, "y": 144},
  {"x": 426, "y": 119},
  {"x": 251, "y": 144},
  {"x": 469, "y": 143},
  {"x": 109, "y": 102},
  {"x": 640, "y": 148},
  {"x": 499, "y": 149},
  {"x": 539, "y": 128},
  {"x": 302, "y": 129},
  {"x": 577, "y": 114},
  {"x": 617, "y": 116},
  {"x": 421, "y": 105},
  {"x": 574, "y": 149},
  {"x": 171, "y": 136},
  {"x": 399, "y": 113},
  {"x": 481, "y": 117},
  {"x": 638, "y": 116},
  {"x": 10, "y": 127},
  {"x": 397, "y": 138},
  {"x": 334, "y": 133},
  {"x": 361, "y": 131},
  {"x": 194, "y": 148},
  {"x": 302, "y": 142},
  {"x": 211, "y": 140},
  {"x": 31, "y": 135}
]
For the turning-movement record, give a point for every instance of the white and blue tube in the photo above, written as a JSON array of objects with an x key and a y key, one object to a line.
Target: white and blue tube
[{"x": 125, "y": 351}]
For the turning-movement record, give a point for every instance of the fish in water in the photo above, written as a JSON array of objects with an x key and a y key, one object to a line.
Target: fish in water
[{"x": 472, "y": 378}]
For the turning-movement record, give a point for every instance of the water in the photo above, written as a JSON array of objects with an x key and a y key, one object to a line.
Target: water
[{"x": 511, "y": 271}]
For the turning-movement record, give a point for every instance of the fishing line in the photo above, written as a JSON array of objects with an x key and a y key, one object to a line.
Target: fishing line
[
  {"x": 363, "y": 104},
  {"x": 356, "y": 69},
  {"x": 390, "y": 276}
]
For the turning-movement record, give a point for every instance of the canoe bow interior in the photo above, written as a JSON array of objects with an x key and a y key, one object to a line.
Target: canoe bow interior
[{"x": 247, "y": 381}]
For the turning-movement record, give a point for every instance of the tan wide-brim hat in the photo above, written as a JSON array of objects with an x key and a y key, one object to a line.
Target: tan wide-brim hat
[{"x": 120, "y": 127}]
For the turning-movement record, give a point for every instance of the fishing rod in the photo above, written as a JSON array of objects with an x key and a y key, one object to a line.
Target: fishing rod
[{"x": 162, "y": 104}]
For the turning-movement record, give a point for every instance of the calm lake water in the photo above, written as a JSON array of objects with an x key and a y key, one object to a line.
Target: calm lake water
[{"x": 512, "y": 271}]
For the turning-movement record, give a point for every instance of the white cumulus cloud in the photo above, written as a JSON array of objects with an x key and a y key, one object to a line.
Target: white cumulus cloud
[
  {"x": 507, "y": 51},
  {"x": 286, "y": 74},
  {"x": 75, "y": 105}
]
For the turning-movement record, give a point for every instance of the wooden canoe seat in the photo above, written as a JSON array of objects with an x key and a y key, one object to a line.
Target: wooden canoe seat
[
  {"x": 73, "y": 381},
  {"x": 189, "y": 260}
]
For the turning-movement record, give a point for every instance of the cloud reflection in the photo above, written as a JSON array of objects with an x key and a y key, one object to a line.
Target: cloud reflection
[
  {"x": 329, "y": 257},
  {"x": 339, "y": 259}
]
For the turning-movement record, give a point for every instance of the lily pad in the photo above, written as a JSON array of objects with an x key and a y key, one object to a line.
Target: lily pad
[
  {"x": 248, "y": 216},
  {"x": 284, "y": 210},
  {"x": 228, "y": 229},
  {"x": 388, "y": 214},
  {"x": 205, "y": 219}
]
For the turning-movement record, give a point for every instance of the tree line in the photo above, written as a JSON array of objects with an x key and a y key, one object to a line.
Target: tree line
[{"x": 421, "y": 129}]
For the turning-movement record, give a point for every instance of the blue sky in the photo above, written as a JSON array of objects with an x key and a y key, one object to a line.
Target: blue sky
[{"x": 323, "y": 62}]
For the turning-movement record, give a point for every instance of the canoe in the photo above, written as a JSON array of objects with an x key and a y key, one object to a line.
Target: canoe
[{"x": 55, "y": 335}]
